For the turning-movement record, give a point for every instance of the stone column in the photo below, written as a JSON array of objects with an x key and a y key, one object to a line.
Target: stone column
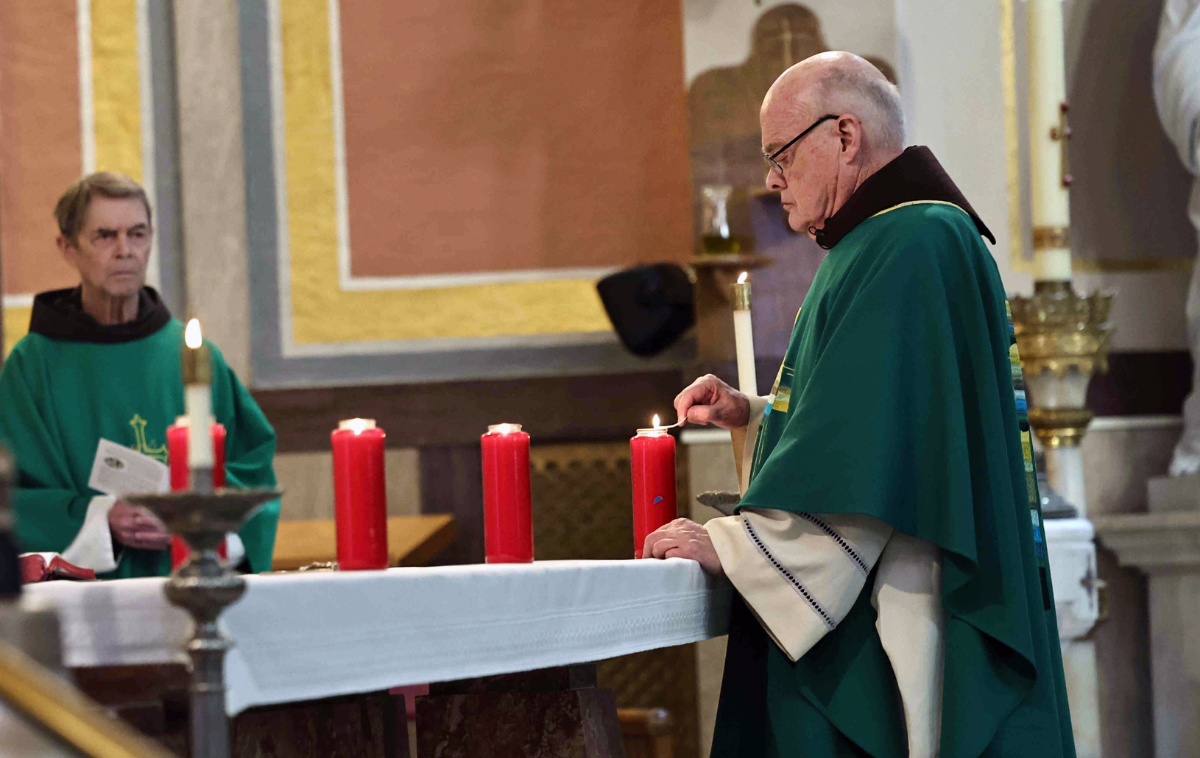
[
  {"x": 213, "y": 190},
  {"x": 1165, "y": 545}
]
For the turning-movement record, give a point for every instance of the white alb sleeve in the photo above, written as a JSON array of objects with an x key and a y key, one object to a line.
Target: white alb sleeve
[
  {"x": 912, "y": 627},
  {"x": 235, "y": 549},
  {"x": 744, "y": 440},
  {"x": 93, "y": 546},
  {"x": 799, "y": 572}
]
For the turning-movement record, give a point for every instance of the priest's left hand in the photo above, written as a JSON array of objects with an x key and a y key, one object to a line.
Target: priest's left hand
[{"x": 683, "y": 538}]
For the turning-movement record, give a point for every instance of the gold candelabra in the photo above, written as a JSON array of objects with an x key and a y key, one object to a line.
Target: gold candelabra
[{"x": 1063, "y": 340}]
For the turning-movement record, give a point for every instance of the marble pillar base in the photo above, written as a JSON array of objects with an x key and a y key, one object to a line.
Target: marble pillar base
[
  {"x": 1072, "y": 551},
  {"x": 1083, "y": 695},
  {"x": 554, "y": 713},
  {"x": 1165, "y": 545}
]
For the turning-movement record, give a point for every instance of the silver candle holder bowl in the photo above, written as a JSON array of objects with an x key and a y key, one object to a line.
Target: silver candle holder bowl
[{"x": 205, "y": 586}]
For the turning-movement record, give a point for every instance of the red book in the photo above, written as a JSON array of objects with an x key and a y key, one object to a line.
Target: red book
[{"x": 46, "y": 567}]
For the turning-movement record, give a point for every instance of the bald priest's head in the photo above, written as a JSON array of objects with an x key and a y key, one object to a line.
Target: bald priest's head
[
  {"x": 828, "y": 123},
  {"x": 105, "y": 232}
]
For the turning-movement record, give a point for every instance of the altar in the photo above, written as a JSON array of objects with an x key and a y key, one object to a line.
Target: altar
[{"x": 316, "y": 635}]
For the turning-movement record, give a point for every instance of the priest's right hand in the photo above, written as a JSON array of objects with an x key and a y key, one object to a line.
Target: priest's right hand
[
  {"x": 708, "y": 400},
  {"x": 137, "y": 527}
]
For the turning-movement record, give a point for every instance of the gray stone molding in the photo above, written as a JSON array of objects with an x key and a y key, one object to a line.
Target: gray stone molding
[
  {"x": 213, "y": 207},
  {"x": 1153, "y": 542}
]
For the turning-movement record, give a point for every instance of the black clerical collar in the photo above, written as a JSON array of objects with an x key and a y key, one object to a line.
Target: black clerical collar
[
  {"x": 59, "y": 315},
  {"x": 912, "y": 176}
]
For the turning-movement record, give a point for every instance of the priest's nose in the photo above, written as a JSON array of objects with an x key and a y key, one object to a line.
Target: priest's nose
[
  {"x": 775, "y": 180},
  {"x": 124, "y": 246}
]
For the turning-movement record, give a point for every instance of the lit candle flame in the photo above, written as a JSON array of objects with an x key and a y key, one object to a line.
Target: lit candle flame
[
  {"x": 191, "y": 336},
  {"x": 504, "y": 428},
  {"x": 357, "y": 425},
  {"x": 656, "y": 423},
  {"x": 742, "y": 279}
]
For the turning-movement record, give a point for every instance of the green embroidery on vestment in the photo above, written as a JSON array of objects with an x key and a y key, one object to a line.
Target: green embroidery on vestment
[{"x": 157, "y": 452}]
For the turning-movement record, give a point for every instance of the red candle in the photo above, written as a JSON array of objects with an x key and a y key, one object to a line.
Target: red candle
[
  {"x": 652, "y": 464},
  {"x": 177, "y": 451},
  {"x": 507, "y": 507},
  {"x": 177, "y": 456},
  {"x": 360, "y": 495}
]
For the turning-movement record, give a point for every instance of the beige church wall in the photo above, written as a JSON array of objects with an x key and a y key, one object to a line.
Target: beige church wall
[
  {"x": 1129, "y": 229},
  {"x": 949, "y": 62},
  {"x": 1128, "y": 206},
  {"x": 307, "y": 482},
  {"x": 1128, "y": 200}
]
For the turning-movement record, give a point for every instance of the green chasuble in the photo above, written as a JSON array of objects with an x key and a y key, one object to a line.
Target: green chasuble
[
  {"x": 71, "y": 382},
  {"x": 896, "y": 400}
]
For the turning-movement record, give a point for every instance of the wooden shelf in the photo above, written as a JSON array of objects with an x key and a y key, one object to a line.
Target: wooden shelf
[{"x": 751, "y": 261}]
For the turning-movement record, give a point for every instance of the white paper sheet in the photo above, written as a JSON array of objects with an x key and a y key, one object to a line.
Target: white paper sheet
[{"x": 118, "y": 470}]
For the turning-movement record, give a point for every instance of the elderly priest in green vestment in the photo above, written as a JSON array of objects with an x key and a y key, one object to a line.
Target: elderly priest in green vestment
[
  {"x": 101, "y": 365},
  {"x": 894, "y": 594}
]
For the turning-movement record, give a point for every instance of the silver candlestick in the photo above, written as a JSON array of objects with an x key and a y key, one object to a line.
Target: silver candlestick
[{"x": 204, "y": 587}]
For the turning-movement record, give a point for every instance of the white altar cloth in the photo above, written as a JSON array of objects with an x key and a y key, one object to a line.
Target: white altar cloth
[{"x": 305, "y": 636}]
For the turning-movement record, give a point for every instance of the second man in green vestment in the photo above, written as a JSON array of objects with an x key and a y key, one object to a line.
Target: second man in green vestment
[{"x": 101, "y": 362}]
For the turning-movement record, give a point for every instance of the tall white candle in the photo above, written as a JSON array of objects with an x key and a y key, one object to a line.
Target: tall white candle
[
  {"x": 743, "y": 337},
  {"x": 197, "y": 379},
  {"x": 1049, "y": 199}
]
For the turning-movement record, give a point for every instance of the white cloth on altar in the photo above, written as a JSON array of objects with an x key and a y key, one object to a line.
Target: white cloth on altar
[
  {"x": 1177, "y": 98},
  {"x": 305, "y": 636},
  {"x": 802, "y": 573}
]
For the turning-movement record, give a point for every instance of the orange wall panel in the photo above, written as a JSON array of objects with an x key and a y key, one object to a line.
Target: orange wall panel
[
  {"x": 496, "y": 135},
  {"x": 39, "y": 138}
]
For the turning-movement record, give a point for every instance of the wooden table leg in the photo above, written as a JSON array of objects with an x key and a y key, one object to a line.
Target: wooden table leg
[{"x": 551, "y": 713}]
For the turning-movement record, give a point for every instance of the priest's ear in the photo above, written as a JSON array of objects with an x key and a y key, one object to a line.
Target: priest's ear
[
  {"x": 850, "y": 137},
  {"x": 67, "y": 248}
]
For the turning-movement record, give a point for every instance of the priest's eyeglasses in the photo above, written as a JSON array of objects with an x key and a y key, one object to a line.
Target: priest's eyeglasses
[{"x": 771, "y": 159}]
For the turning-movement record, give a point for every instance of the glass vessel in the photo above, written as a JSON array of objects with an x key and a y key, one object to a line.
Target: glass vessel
[{"x": 715, "y": 236}]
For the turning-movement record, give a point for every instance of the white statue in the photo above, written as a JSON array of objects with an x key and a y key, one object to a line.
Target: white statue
[{"x": 1177, "y": 96}]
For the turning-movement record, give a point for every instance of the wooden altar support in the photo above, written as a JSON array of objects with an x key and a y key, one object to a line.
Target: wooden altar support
[{"x": 304, "y": 642}]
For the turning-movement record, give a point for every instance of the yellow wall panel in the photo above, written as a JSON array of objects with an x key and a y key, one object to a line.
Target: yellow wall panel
[
  {"x": 116, "y": 87},
  {"x": 16, "y": 325}
]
